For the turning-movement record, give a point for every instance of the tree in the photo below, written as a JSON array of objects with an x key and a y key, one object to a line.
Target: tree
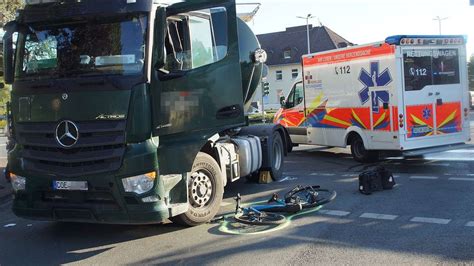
[{"x": 8, "y": 10}]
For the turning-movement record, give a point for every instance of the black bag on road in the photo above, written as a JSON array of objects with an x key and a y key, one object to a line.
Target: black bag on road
[
  {"x": 388, "y": 182},
  {"x": 374, "y": 180}
]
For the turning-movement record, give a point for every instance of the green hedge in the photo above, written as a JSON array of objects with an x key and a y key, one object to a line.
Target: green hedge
[{"x": 257, "y": 118}]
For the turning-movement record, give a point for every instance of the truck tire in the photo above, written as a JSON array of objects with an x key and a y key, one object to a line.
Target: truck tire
[
  {"x": 277, "y": 156},
  {"x": 359, "y": 153},
  {"x": 205, "y": 190}
]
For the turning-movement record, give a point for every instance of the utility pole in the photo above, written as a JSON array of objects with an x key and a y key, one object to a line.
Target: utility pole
[
  {"x": 308, "y": 17},
  {"x": 440, "y": 19}
]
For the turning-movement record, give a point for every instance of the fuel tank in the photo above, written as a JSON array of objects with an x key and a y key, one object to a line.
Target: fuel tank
[{"x": 251, "y": 70}]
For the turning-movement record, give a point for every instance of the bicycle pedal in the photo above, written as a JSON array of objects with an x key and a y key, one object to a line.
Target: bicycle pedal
[{"x": 274, "y": 198}]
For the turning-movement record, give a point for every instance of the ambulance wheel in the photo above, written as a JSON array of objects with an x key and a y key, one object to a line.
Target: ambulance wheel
[
  {"x": 359, "y": 153},
  {"x": 277, "y": 157},
  {"x": 205, "y": 190}
]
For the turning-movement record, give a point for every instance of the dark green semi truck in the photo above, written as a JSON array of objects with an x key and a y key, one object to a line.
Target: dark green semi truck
[{"x": 133, "y": 111}]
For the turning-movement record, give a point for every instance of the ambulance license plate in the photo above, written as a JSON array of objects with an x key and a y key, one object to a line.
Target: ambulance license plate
[{"x": 70, "y": 185}]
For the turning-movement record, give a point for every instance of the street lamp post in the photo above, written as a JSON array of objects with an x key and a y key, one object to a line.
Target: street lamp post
[
  {"x": 439, "y": 19},
  {"x": 308, "y": 17}
]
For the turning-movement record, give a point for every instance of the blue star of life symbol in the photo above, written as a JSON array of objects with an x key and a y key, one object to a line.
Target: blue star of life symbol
[
  {"x": 372, "y": 80},
  {"x": 426, "y": 113}
]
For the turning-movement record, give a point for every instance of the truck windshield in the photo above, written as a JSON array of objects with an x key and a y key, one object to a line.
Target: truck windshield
[{"x": 115, "y": 46}]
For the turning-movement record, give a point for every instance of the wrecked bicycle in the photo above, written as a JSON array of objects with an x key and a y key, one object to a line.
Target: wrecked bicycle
[{"x": 296, "y": 200}]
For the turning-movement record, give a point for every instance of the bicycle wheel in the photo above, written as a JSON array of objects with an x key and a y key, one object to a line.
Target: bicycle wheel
[
  {"x": 263, "y": 218},
  {"x": 310, "y": 196}
]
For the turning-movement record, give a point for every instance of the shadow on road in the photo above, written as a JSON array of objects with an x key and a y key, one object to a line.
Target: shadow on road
[
  {"x": 346, "y": 236},
  {"x": 51, "y": 243}
]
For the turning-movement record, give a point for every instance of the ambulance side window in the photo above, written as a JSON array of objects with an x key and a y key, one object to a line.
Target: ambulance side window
[{"x": 296, "y": 96}]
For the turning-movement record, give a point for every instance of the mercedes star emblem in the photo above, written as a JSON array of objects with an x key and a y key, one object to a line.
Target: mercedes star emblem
[{"x": 67, "y": 134}]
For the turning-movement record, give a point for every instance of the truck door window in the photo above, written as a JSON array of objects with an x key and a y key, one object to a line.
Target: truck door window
[
  {"x": 196, "y": 39},
  {"x": 426, "y": 67},
  {"x": 296, "y": 96}
]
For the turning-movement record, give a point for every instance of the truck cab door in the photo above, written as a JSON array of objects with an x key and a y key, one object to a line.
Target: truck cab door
[{"x": 196, "y": 84}]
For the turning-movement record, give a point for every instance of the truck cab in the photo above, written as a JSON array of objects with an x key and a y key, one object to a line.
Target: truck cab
[{"x": 132, "y": 111}]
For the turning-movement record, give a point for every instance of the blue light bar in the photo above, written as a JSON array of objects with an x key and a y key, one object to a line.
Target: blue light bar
[{"x": 425, "y": 39}]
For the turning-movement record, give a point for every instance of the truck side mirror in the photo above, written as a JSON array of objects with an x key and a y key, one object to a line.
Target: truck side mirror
[
  {"x": 160, "y": 32},
  {"x": 8, "y": 60}
]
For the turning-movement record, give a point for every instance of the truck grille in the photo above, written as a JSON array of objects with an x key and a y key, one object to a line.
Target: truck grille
[{"x": 100, "y": 148}]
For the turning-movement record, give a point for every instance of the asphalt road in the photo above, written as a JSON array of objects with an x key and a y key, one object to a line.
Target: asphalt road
[{"x": 427, "y": 218}]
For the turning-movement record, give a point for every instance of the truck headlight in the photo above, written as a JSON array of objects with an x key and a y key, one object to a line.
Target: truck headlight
[
  {"x": 139, "y": 184},
  {"x": 18, "y": 182}
]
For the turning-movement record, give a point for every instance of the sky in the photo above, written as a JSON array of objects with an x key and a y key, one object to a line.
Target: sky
[{"x": 367, "y": 21}]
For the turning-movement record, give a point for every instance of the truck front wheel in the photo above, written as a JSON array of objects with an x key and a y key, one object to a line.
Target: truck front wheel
[
  {"x": 360, "y": 153},
  {"x": 277, "y": 157},
  {"x": 205, "y": 192}
]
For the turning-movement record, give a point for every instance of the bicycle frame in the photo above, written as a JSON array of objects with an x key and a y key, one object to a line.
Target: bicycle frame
[{"x": 277, "y": 205}]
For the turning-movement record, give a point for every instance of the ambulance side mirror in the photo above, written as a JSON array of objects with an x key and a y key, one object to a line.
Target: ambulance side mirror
[{"x": 282, "y": 102}]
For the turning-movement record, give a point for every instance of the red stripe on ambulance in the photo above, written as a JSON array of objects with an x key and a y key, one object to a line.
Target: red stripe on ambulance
[{"x": 349, "y": 55}]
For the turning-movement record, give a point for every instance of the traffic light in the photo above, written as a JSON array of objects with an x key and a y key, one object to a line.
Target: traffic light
[{"x": 266, "y": 88}]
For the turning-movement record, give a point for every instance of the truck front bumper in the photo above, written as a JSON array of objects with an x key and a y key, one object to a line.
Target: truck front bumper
[{"x": 105, "y": 201}]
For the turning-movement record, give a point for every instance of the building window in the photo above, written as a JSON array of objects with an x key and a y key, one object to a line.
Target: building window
[
  {"x": 294, "y": 73},
  {"x": 287, "y": 54},
  {"x": 279, "y": 75},
  {"x": 279, "y": 94}
]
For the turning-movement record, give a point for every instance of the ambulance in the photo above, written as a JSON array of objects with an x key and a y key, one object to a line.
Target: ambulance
[{"x": 405, "y": 95}]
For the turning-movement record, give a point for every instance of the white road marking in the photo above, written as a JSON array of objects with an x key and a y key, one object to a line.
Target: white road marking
[
  {"x": 448, "y": 157},
  {"x": 223, "y": 204},
  {"x": 379, "y": 216},
  {"x": 424, "y": 177},
  {"x": 461, "y": 179},
  {"x": 460, "y": 151},
  {"x": 334, "y": 213},
  {"x": 288, "y": 178},
  {"x": 430, "y": 220},
  {"x": 9, "y": 225},
  {"x": 470, "y": 224},
  {"x": 322, "y": 174},
  {"x": 349, "y": 175}
]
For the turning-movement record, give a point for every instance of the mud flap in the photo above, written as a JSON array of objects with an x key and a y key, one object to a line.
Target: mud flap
[{"x": 176, "y": 191}]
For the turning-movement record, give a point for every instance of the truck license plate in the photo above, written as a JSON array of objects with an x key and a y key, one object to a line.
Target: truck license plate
[{"x": 70, "y": 185}]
